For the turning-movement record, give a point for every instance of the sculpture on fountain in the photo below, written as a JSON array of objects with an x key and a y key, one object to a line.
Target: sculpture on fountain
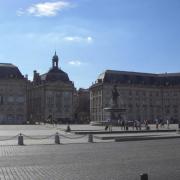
[
  {"x": 116, "y": 113},
  {"x": 115, "y": 96}
]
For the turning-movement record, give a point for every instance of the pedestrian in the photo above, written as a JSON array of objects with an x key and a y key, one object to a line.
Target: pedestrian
[
  {"x": 162, "y": 124},
  {"x": 133, "y": 124},
  {"x": 167, "y": 123},
  {"x": 119, "y": 122},
  {"x": 126, "y": 126},
  {"x": 122, "y": 124},
  {"x": 157, "y": 124},
  {"x": 139, "y": 125},
  {"x": 106, "y": 127},
  {"x": 110, "y": 127},
  {"x": 146, "y": 124}
]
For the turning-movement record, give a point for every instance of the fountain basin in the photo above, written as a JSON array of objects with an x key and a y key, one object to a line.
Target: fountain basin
[{"x": 111, "y": 109}]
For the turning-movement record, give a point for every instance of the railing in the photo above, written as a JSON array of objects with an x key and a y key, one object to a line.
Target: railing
[{"x": 57, "y": 136}]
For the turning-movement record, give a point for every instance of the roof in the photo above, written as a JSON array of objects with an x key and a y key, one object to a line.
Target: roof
[
  {"x": 127, "y": 77},
  {"x": 9, "y": 71},
  {"x": 82, "y": 90},
  {"x": 55, "y": 74}
]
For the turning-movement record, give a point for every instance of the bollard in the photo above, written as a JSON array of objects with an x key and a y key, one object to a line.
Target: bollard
[
  {"x": 20, "y": 140},
  {"x": 90, "y": 138},
  {"x": 57, "y": 139},
  {"x": 144, "y": 176}
]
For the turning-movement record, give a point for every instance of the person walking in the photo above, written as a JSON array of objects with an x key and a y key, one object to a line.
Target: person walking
[
  {"x": 122, "y": 124},
  {"x": 106, "y": 127}
]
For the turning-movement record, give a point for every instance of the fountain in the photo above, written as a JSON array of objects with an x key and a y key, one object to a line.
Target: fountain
[{"x": 116, "y": 113}]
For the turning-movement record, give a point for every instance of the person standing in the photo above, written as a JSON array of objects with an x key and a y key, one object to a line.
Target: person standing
[
  {"x": 157, "y": 124},
  {"x": 122, "y": 125},
  {"x": 167, "y": 123}
]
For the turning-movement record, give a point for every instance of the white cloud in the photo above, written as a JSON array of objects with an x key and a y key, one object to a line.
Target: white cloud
[
  {"x": 59, "y": 37},
  {"x": 89, "y": 39},
  {"x": 72, "y": 38},
  {"x": 75, "y": 63},
  {"x": 78, "y": 39},
  {"x": 45, "y": 9}
]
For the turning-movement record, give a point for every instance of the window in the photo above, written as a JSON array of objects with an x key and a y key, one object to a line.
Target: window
[
  {"x": 137, "y": 93},
  {"x": 50, "y": 101},
  {"x": 59, "y": 102},
  {"x": 68, "y": 98},
  {"x": 175, "y": 109},
  {"x": 67, "y": 94},
  {"x": 10, "y": 99},
  {"x": 130, "y": 93},
  {"x": 10, "y": 117},
  {"x": 1, "y": 100},
  {"x": 66, "y": 109},
  {"x": 19, "y": 117},
  {"x": 20, "y": 99}
]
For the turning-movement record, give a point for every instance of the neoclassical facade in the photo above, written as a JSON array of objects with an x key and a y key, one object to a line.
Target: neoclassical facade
[
  {"x": 13, "y": 87},
  {"x": 50, "y": 96},
  {"x": 82, "y": 106},
  {"x": 145, "y": 96}
]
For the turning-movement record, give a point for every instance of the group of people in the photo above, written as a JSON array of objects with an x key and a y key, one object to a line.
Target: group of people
[
  {"x": 161, "y": 123},
  {"x": 137, "y": 125},
  {"x": 125, "y": 125}
]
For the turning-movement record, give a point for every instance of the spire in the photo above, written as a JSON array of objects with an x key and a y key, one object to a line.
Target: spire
[{"x": 55, "y": 60}]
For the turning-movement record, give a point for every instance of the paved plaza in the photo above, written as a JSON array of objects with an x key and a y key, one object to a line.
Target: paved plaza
[
  {"x": 77, "y": 159},
  {"x": 92, "y": 161}
]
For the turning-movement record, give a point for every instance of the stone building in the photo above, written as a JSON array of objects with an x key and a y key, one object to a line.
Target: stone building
[
  {"x": 145, "y": 96},
  {"x": 82, "y": 109},
  {"x": 13, "y": 86},
  {"x": 50, "y": 96}
]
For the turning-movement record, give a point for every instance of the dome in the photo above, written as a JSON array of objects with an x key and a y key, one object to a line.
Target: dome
[{"x": 56, "y": 74}]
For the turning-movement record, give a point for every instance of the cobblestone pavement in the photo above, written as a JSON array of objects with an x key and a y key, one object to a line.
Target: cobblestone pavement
[{"x": 93, "y": 161}]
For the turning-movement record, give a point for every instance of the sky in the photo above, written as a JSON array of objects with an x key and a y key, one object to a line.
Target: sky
[{"x": 91, "y": 36}]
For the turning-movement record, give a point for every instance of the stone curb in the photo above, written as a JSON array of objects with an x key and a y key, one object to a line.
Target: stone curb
[
  {"x": 122, "y": 132},
  {"x": 135, "y": 138},
  {"x": 116, "y": 137}
]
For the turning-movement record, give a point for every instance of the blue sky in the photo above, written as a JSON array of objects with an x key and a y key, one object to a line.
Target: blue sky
[{"x": 91, "y": 36}]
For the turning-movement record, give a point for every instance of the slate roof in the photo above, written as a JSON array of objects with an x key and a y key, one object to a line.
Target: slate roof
[
  {"x": 126, "y": 77},
  {"x": 9, "y": 71},
  {"x": 55, "y": 74}
]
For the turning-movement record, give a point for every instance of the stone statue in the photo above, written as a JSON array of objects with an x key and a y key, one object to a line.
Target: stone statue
[{"x": 115, "y": 95}]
